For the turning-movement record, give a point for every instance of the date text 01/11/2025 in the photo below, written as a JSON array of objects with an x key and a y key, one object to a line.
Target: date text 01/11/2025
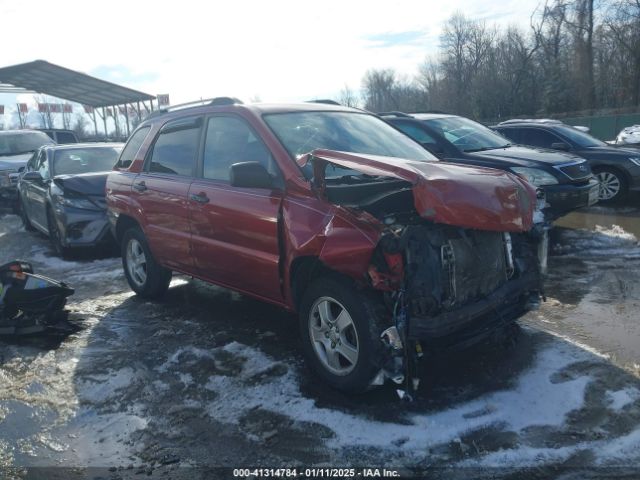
[{"x": 315, "y": 473}]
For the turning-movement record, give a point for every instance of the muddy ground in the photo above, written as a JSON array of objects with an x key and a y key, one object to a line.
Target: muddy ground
[{"x": 208, "y": 378}]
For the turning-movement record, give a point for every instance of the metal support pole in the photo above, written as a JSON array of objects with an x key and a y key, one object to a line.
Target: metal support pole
[
  {"x": 104, "y": 119},
  {"x": 20, "y": 119},
  {"x": 126, "y": 116},
  {"x": 95, "y": 124}
]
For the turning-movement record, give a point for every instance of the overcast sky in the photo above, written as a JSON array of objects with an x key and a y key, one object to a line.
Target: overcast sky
[{"x": 287, "y": 50}]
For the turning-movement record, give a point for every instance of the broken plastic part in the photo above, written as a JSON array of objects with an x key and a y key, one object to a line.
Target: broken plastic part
[
  {"x": 508, "y": 250},
  {"x": 378, "y": 379},
  {"x": 392, "y": 337}
]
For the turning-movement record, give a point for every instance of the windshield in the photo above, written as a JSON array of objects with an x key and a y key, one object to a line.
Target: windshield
[
  {"x": 84, "y": 160},
  {"x": 583, "y": 139},
  {"x": 303, "y": 132},
  {"x": 467, "y": 135},
  {"x": 23, "y": 142}
]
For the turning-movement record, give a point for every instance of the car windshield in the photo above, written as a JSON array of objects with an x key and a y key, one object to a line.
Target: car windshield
[
  {"x": 84, "y": 160},
  {"x": 583, "y": 139},
  {"x": 303, "y": 132},
  {"x": 17, "y": 143},
  {"x": 467, "y": 135}
]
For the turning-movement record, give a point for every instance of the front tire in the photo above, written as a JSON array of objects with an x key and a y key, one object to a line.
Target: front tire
[
  {"x": 613, "y": 186},
  {"x": 145, "y": 275},
  {"x": 56, "y": 236},
  {"x": 26, "y": 223},
  {"x": 340, "y": 328}
]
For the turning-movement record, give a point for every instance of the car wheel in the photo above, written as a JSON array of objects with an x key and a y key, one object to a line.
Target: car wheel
[
  {"x": 26, "y": 223},
  {"x": 613, "y": 186},
  {"x": 145, "y": 275},
  {"x": 56, "y": 236},
  {"x": 340, "y": 328}
]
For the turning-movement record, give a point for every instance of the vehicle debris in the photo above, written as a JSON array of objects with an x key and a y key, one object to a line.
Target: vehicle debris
[{"x": 30, "y": 303}]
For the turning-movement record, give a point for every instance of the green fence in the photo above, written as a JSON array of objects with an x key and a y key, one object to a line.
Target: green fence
[{"x": 605, "y": 127}]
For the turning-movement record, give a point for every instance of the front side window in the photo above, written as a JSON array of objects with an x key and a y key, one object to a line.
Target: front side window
[
  {"x": 73, "y": 161},
  {"x": 583, "y": 139},
  {"x": 43, "y": 165},
  {"x": 174, "y": 152},
  {"x": 230, "y": 140},
  {"x": 415, "y": 132}
]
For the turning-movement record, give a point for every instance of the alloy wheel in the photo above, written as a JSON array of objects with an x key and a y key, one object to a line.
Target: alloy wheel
[
  {"x": 136, "y": 262},
  {"x": 610, "y": 185},
  {"x": 333, "y": 336}
]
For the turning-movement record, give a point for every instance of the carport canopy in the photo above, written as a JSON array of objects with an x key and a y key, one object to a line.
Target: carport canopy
[{"x": 43, "y": 77}]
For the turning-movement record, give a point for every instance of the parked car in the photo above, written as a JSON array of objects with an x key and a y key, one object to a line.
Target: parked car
[
  {"x": 330, "y": 212},
  {"x": 565, "y": 179},
  {"x": 16, "y": 147},
  {"x": 61, "y": 136},
  {"x": 62, "y": 194},
  {"x": 629, "y": 136},
  {"x": 617, "y": 169}
]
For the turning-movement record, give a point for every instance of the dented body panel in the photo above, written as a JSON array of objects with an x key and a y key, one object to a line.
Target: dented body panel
[{"x": 470, "y": 197}]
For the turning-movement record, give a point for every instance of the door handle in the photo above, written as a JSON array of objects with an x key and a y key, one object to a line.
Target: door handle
[
  {"x": 140, "y": 186},
  {"x": 199, "y": 197}
]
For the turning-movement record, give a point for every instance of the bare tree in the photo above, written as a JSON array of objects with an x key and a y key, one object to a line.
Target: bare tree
[{"x": 348, "y": 97}]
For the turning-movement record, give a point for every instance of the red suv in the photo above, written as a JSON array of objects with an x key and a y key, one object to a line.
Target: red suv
[{"x": 384, "y": 251}]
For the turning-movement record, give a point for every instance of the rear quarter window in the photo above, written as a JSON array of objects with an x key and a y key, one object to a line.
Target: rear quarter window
[{"x": 132, "y": 147}]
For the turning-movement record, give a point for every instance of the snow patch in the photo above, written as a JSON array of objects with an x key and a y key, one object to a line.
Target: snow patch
[
  {"x": 621, "y": 398},
  {"x": 99, "y": 388},
  {"x": 517, "y": 408}
]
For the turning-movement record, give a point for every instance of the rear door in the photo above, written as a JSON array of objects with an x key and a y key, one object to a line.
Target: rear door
[
  {"x": 235, "y": 230},
  {"x": 162, "y": 189}
]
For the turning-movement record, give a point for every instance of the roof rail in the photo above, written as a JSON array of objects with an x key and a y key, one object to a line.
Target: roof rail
[
  {"x": 394, "y": 114},
  {"x": 551, "y": 121},
  {"x": 326, "y": 101},
  {"x": 439, "y": 112},
  {"x": 215, "y": 101}
]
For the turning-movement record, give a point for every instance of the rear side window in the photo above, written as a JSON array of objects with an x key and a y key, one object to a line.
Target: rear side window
[
  {"x": 66, "y": 137},
  {"x": 132, "y": 147},
  {"x": 538, "y": 138},
  {"x": 175, "y": 149}
]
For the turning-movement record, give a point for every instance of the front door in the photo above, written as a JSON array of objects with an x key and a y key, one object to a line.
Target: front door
[{"x": 235, "y": 230}]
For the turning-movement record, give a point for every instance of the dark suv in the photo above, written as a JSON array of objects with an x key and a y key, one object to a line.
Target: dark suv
[
  {"x": 617, "y": 169},
  {"x": 330, "y": 212},
  {"x": 566, "y": 179}
]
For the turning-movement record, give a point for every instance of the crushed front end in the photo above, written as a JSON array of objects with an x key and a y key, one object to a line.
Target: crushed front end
[{"x": 461, "y": 253}]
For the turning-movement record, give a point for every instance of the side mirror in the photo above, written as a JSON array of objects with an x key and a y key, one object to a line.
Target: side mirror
[
  {"x": 560, "y": 146},
  {"x": 32, "y": 177},
  {"x": 250, "y": 175},
  {"x": 21, "y": 169}
]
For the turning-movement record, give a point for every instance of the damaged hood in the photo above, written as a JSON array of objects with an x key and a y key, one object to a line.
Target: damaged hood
[
  {"x": 85, "y": 183},
  {"x": 465, "y": 196}
]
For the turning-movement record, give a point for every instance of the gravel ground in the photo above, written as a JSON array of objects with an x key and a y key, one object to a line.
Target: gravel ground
[{"x": 208, "y": 378}]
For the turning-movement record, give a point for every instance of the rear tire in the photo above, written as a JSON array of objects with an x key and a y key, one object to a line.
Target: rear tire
[
  {"x": 145, "y": 275},
  {"x": 613, "y": 185},
  {"x": 340, "y": 328}
]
